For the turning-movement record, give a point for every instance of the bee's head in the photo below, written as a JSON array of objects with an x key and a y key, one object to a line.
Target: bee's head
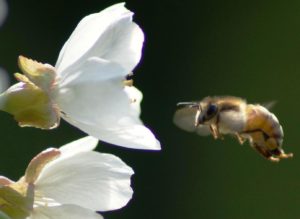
[{"x": 206, "y": 113}]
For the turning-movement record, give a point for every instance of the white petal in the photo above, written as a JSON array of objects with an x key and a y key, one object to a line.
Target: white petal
[
  {"x": 91, "y": 71},
  {"x": 126, "y": 133},
  {"x": 82, "y": 145},
  {"x": 103, "y": 107},
  {"x": 3, "y": 11},
  {"x": 136, "y": 97},
  {"x": 64, "y": 212},
  {"x": 92, "y": 180},
  {"x": 16, "y": 87},
  {"x": 4, "y": 79},
  {"x": 109, "y": 34}
]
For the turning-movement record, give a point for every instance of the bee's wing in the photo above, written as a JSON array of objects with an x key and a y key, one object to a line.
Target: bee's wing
[
  {"x": 184, "y": 118},
  {"x": 269, "y": 104}
]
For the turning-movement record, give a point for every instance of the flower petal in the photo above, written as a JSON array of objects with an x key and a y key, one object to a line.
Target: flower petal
[
  {"x": 109, "y": 34},
  {"x": 103, "y": 107},
  {"x": 63, "y": 212},
  {"x": 3, "y": 11},
  {"x": 85, "y": 144},
  {"x": 4, "y": 78},
  {"x": 4, "y": 181},
  {"x": 42, "y": 75},
  {"x": 127, "y": 133},
  {"x": 37, "y": 164},
  {"x": 92, "y": 180},
  {"x": 91, "y": 71},
  {"x": 136, "y": 97}
]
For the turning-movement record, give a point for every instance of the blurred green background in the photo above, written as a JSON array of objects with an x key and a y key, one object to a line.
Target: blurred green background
[{"x": 193, "y": 49}]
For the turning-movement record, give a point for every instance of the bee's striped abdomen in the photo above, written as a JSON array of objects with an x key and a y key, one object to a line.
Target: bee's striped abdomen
[{"x": 264, "y": 131}]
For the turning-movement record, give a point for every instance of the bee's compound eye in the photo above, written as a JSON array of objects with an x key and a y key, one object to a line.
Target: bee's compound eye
[{"x": 212, "y": 110}]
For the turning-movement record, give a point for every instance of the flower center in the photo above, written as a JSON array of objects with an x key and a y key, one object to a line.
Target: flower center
[{"x": 30, "y": 101}]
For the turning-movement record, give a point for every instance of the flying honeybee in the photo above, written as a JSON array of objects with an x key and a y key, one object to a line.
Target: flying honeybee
[{"x": 232, "y": 115}]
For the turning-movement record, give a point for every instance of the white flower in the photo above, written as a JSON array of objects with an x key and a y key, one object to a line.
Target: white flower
[
  {"x": 70, "y": 182},
  {"x": 88, "y": 86},
  {"x": 3, "y": 11},
  {"x": 4, "y": 80}
]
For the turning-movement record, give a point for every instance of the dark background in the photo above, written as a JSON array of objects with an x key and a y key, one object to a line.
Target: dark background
[{"x": 193, "y": 49}]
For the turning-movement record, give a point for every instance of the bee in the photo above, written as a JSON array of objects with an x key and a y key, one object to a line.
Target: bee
[{"x": 230, "y": 115}]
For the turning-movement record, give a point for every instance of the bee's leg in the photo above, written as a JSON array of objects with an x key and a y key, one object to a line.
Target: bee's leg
[
  {"x": 215, "y": 131},
  {"x": 284, "y": 155},
  {"x": 273, "y": 159},
  {"x": 240, "y": 138},
  {"x": 265, "y": 153},
  {"x": 278, "y": 152}
]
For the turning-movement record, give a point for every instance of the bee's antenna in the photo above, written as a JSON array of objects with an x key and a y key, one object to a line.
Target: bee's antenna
[{"x": 189, "y": 104}]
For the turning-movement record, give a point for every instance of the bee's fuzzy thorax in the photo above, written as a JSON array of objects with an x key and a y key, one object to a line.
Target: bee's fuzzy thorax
[{"x": 232, "y": 118}]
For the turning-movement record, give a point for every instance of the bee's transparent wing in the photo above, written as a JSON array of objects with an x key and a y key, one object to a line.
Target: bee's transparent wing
[
  {"x": 184, "y": 118},
  {"x": 270, "y": 104}
]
